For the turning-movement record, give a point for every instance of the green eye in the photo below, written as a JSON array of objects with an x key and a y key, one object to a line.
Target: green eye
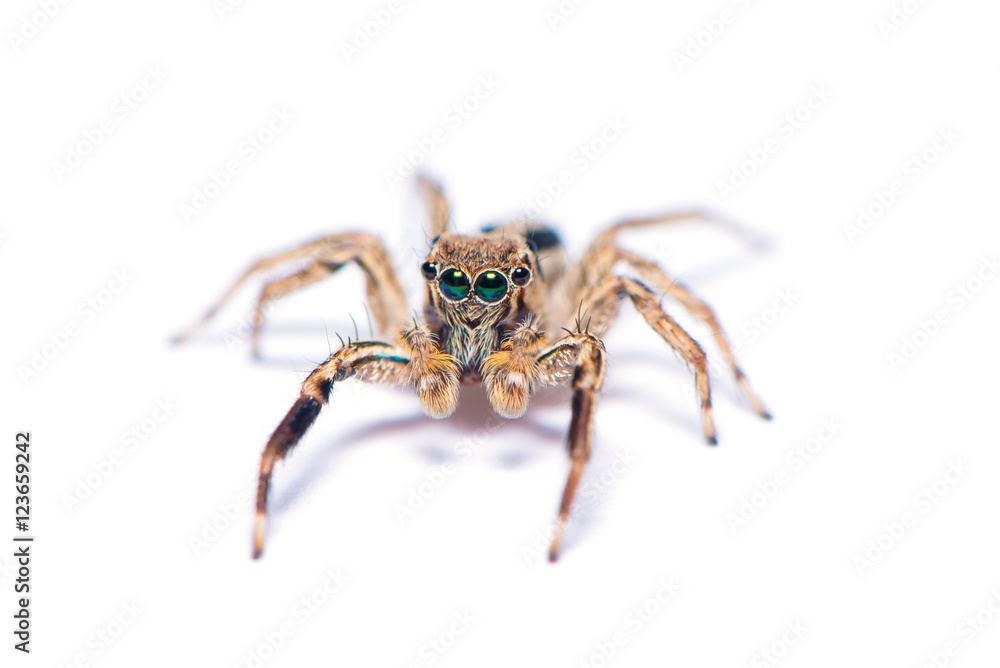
[
  {"x": 454, "y": 284},
  {"x": 491, "y": 286}
]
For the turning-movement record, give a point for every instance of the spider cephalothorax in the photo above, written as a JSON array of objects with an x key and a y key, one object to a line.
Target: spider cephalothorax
[
  {"x": 489, "y": 304},
  {"x": 478, "y": 289}
]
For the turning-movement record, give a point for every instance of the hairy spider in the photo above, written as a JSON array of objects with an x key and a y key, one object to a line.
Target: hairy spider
[{"x": 489, "y": 304}]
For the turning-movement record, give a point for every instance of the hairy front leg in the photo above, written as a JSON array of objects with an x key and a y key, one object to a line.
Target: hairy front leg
[
  {"x": 582, "y": 355},
  {"x": 416, "y": 361}
]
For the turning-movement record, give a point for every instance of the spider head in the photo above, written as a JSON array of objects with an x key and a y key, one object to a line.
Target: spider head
[{"x": 475, "y": 277}]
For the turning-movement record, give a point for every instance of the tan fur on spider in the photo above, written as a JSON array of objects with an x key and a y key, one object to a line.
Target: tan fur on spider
[{"x": 490, "y": 299}]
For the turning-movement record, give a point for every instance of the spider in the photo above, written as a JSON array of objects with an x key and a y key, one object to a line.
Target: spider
[{"x": 489, "y": 306}]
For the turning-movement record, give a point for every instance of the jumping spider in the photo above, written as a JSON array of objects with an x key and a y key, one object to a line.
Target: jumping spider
[{"x": 489, "y": 304}]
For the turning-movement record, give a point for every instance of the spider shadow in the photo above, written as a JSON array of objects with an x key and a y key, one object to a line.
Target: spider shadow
[
  {"x": 755, "y": 243},
  {"x": 673, "y": 407},
  {"x": 473, "y": 416}
]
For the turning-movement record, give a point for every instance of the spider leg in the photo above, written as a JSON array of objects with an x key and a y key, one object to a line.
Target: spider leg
[
  {"x": 437, "y": 204},
  {"x": 323, "y": 258},
  {"x": 416, "y": 361},
  {"x": 594, "y": 264},
  {"x": 582, "y": 355},
  {"x": 603, "y": 254},
  {"x": 313, "y": 273},
  {"x": 608, "y": 236},
  {"x": 601, "y": 303},
  {"x": 657, "y": 278}
]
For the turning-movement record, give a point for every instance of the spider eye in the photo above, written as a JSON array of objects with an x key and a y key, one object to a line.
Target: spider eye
[
  {"x": 454, "y": 284},
  {"x": 429, "y": 270},
  {"x": 491, "y": 286},
  {"x": 520, "y": 276}
]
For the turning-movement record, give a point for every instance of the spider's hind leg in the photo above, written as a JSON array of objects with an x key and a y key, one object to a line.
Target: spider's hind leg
[
  {"x": 657, "y": 278},
  {"x": 323, "y": 258},
  {"x": 437, "y": 205},
  {"x": 604, "y": 254},
  {"x": 601, "y": 308}
]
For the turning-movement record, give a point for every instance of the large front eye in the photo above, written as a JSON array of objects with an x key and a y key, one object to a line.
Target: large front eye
[
  {"x": 454, "y": 284},
  {"x": 491, "y": 286}
]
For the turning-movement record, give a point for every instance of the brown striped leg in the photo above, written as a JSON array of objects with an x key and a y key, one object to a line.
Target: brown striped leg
[
  {"x": 603, "y": 254},
  {"x": 416, "y": 362},
  {"x": 597, "y": 263},
  {"x": 314, "y": 273},
  {"x": 608, "y": 236},
  {"x": 437, "y": 205},
  {"x": 324, "y": 257},
  {"x": 601, "y": 304},
  {"x": 658, "y": 279},
  {"x": 367, "y": 360},
  {"x": 584, "y": 354}
]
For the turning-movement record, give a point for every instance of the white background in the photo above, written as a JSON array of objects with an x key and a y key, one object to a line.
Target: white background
[{"x": 468, "y": 550}]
